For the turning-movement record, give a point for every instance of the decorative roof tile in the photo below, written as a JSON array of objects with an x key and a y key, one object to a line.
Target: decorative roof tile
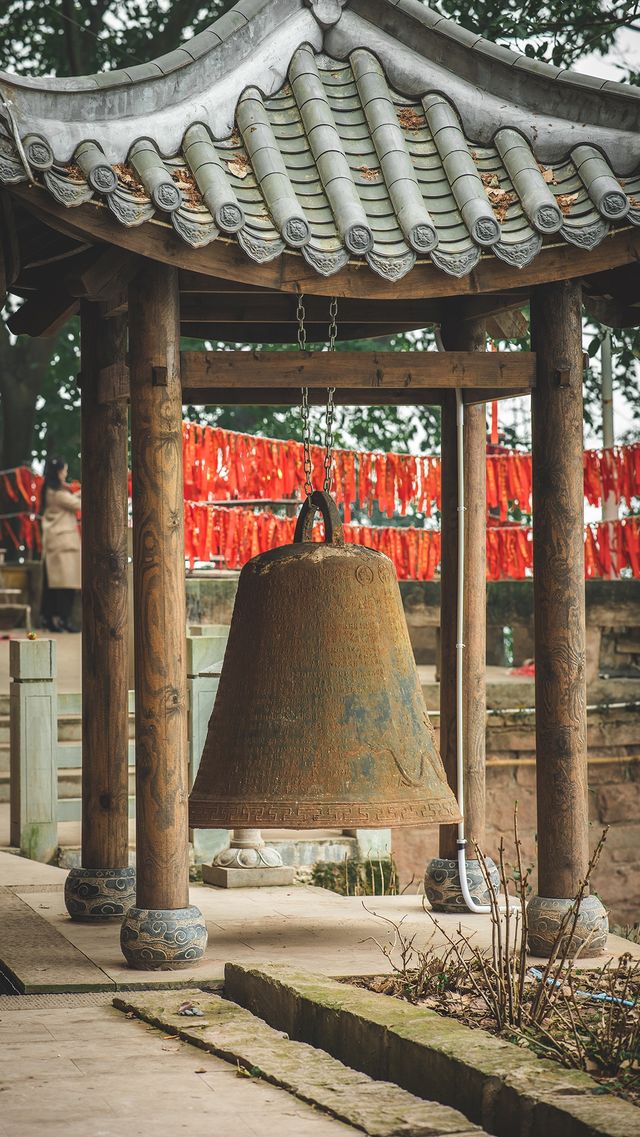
[{"x": 391, "y": 154}]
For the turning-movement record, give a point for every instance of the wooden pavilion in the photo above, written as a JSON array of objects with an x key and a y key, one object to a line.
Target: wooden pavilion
[{"x": 368, "y": 149}]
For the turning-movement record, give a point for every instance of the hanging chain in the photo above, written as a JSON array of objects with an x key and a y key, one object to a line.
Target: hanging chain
[
  {"x": 304, "y": 410},
  {"x": 302, "y": 331},
  {"x": 328, "y": 422},
  {"x": 330, "y": 408}
]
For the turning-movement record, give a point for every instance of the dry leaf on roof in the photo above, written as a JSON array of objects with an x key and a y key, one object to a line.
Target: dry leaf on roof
[
  {"x": 239, "y": 165},
  {"x": 635, "y": 204},
  {"x": 566, "y": 201},
  {"x": 129, "y": 180},
  {"x": 501, "y": 200},
  {"x": 235, "y": 136},
  {"x": 368, "y": 174},
  {"x": 186, "y": 183},
  {"x": 74, "y": 173},
  {"x": 490, "y": 180},
  {"x": 547, "y": 173},
  {"x": 409, "y": 118},
  {"x": 474, "y": 155}
]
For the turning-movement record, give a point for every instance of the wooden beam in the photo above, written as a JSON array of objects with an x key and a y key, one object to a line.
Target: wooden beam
[
  {"x": 110, "y": 271},
  {"x": 290, "y": 273},
  {"x": 43, "y": 314},
  {"x": 389, "y": 370},
  {"x": 508, "y": 325},
  {"x": 259, "y": 334},
  {"x": 290, "y": 397},
  {"x": 491, "y": 395},
  {"x": 611, "y": 312},
  {"x": 280, "y": 308}
]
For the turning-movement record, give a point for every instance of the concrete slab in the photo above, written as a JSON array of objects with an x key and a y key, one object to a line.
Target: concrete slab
[
  {"x": 131, "y": 1080},
  {"x": 16, "y": 870},
  {"x": 304, "y": 926}
]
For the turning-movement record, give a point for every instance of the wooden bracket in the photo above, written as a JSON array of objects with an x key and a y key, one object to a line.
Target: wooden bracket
[
  {"x": 562, "y": 374},
  {"x": 159, "y": 376}
]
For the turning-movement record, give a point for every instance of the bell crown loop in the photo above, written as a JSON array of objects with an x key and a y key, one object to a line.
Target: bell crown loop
[{"x": 322, "y": 502}]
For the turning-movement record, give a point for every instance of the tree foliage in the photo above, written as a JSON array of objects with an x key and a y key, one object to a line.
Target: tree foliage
[{"x": 559, "y": 32}]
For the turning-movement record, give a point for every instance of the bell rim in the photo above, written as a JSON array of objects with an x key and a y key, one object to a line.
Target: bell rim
[{"x": 242, "y": 814}]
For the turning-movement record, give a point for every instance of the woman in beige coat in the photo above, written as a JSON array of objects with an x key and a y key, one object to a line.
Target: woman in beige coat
[{"x": 61, "y": 547}]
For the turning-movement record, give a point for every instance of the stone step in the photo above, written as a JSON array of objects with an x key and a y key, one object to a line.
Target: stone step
[{"x": 380, "y": 1109}]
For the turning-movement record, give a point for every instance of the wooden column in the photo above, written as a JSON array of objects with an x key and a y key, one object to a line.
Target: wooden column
[
  {"x": 559, "y": 616},
  {"x": 160, "y": 628},
  {"x": 558, "y": 589},
  {"x": 464, "y": 335},
  {"x": 104, "y": 886}
]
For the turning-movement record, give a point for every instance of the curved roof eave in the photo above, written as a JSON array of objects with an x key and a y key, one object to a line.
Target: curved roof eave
[{"x": 338, "y": 129}]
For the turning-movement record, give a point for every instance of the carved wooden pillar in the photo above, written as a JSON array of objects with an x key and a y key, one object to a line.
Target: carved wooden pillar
[
  {"x": 442, "y": 881},
  {"x": 104, "y": 886},
  {"x": 162, "y": 931},
  {"x": 559, "y": 614}
]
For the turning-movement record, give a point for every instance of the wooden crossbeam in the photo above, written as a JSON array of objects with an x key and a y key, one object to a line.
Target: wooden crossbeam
[
  {"x": 290, "y": 396},
  {"x": 359, "y": 371}
]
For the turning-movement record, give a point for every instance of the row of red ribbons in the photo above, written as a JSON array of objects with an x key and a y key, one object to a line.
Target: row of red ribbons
[
  {"x": 221, "y": 465},
  {"x": 232, "y": 536}
]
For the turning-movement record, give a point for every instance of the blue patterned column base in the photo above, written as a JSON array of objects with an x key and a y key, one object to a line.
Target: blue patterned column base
[
  {"x": 545, "y": 914},
  {"x": 99, "y": 894},
  {"x": 163, "y": 940},
  {"x": 442, "y": 884}
]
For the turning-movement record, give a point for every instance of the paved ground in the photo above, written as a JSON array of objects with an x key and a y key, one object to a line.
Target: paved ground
[
  {"x": 74, "y": 1070},
  {"x": 308, "y": 927}
]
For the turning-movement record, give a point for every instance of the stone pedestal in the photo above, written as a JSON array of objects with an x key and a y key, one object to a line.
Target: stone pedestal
[
  {"x": 163, "y": 939},
  {"x": 545, "y": 914},
  {"x": 247, "y": 863},
  {"x": 99, "y": 894},
  {"x": 442, "y": 884}
]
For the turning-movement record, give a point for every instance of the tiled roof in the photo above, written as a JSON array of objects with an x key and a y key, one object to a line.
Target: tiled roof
[{"x": 328, "y": 156}]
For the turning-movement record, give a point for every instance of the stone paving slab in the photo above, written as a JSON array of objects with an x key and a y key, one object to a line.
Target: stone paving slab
[
  {"x": 380, "y": 1109},
  {"x": 36, "y": 957},
  {"x": 309, "y": 927},
  {"x": 78, "y": 1071},
  {"x": 504, "y": 1087},
  {"x": 16, "y": 870}
]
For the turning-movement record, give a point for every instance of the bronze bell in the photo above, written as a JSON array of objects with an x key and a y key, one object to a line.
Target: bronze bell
[{"x": 319, "y": 720}]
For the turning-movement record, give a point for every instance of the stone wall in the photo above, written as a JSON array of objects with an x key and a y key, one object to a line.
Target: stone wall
[{"x": 614, "y": 801}]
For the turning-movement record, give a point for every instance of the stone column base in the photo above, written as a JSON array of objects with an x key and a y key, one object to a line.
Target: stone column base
[
  {"x": 262, "y": 876},
  {"x": 545, "y": 914},
  {"x": 247, "y": 863},
  {"x": 442, "y": 884},
  {"x": 163, "y": 939},
  {"x": 99, "y": 894}
]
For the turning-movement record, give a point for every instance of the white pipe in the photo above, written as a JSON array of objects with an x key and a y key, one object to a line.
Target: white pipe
[{"x": 479, "y": 909}]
